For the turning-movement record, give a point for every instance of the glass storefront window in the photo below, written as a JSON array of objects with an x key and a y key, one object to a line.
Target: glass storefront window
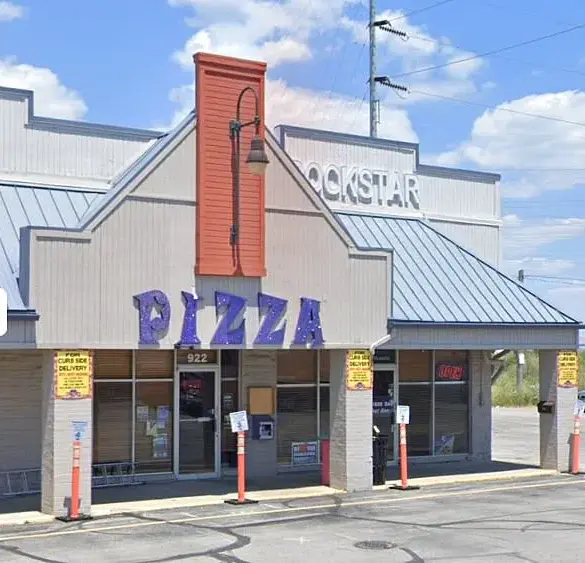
[
  {"x": 154, "y": 427},
  {"x": 112, "y": 420},
  {"x": 297, "y": 418},
  {"x": 155, "y": 364},
  {"x": 451, "y": 418},
  {"x": 112, "y": 364},
  {"x": 297, "y": 366},
  {"x": 438, "y": 396},
  {"x": 419, "y": 399},
  {"x": 415, "y": 366},
  {"x": 451, "y": 402},
  {"x": 302, "y": 404}
]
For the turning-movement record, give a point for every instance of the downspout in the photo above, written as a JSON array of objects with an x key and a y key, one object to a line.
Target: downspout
[{"x": 380, "y": 342}]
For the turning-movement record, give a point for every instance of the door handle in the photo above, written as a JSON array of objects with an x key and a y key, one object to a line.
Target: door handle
[{"x": 214, "y": 424}]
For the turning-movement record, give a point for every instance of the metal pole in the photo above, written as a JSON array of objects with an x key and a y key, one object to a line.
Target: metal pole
[
  {"x": 520, "y": 357},
  {"x": 372, "y": 82}
]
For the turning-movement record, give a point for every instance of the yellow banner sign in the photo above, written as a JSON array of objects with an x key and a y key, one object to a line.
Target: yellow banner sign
[
  {"x": 359, "y": 376},
  {"x": 73, "y": 374},
  {"x": 567, "y": 369}
]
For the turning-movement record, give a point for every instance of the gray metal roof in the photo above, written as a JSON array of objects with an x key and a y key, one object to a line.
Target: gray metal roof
[
  {"x": 437, "y": 281},
  {"x": 23, "y": 205}
]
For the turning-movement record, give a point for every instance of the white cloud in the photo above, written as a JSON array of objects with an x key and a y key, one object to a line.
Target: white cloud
[
  {"x": 507, "y": 140},
  {"x": 267, "y": 30},
  {"x": 523, "y": 237},
  {"x": 303, "y": 107},
  {"x": 10, "y": 11},
  {"x": 52, "y": 97}
]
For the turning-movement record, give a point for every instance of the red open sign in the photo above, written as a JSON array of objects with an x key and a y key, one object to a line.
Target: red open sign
[{"x": 450, "y": 372}]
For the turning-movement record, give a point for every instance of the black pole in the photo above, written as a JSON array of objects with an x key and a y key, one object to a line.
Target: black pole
[{"x": 235, "y": 127}]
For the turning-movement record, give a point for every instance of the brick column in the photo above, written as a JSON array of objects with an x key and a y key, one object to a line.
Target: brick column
[
  {"x": 556, "y": 428},
  {"x": 350, "y": 431},
  {"x": 57, "y": 430}
]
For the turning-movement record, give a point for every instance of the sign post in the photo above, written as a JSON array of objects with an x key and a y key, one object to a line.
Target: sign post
[
  {"x": 239, "y": 424},
  {"x": 576, "y": 457},
  {"x": 79, "y": 429},
  {"x": 403, "y": 419}
]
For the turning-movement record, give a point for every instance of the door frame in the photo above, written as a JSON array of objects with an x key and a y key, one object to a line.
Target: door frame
[
  {"x": 384, "y": 366},
  {"x": 190, "y": 368}
]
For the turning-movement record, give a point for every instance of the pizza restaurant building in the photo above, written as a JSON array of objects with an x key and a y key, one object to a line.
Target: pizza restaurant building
[{"x": 193, "y": 288}]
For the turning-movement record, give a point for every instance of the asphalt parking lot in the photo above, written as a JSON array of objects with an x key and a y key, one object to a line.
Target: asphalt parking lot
[
  {"x": 516, "y": 439},
  {"x": 489, "y": 523},
  {"x": 501, "y": 521}
]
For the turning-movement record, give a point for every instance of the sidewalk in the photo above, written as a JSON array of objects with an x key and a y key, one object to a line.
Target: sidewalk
[{"x": 187, "y": 494}]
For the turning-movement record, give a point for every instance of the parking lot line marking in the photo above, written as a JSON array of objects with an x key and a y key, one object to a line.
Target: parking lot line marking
[{"x": 295, "y": 509}]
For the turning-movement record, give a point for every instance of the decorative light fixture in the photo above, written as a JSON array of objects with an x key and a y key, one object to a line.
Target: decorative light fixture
[{"x": 257, "y": 159}]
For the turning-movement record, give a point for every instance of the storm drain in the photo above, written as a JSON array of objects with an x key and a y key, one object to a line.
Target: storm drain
[{"x": 374, "y": 545}]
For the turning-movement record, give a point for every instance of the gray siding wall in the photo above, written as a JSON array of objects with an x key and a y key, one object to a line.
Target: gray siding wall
[
  {"x": 470, "y": 338},
  {"x": 480, "y": 407},
  {"x": 21, "y": 334},
  {"x": 483, "y": 240},
  {"x": 51, "y": 153},
  {"x": 21, "y": 376},
  {"x": 259, "y": 370},
  {"x": 82, "y": 283}
]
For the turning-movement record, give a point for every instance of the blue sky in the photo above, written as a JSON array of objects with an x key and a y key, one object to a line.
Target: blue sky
[{"x": 128, "y": 63}]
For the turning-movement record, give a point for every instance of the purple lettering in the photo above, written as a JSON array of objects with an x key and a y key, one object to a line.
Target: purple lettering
[
  {"x": 151, "y": 329},
  {"x": 309, "y": 324},
  {"x": 273, "y": 309},
  {"x": 189, "y": 332},
  {"x": 231, "y": 306}
]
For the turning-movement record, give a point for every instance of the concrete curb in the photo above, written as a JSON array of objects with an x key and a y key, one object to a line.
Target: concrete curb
[
  {"x": 104, "y": 510},
  {"x": 474, "y": 478}
]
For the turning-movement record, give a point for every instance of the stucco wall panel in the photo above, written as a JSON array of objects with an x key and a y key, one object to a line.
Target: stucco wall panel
[{"x": 21, "y": 376}]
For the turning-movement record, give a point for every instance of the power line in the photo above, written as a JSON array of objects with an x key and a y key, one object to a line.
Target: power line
[
  {"x": 493, "y": 52},
  {"x": 497, "y": 108},
  {"x": 511, "y": 59},
  {"x": 421, "y": 10}
]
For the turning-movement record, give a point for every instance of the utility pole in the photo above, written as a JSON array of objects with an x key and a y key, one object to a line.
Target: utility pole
[
  {"x": 386, "y": 26},
  {"x": 372, "y": 81},
  {"x": 520, "y": 356}
]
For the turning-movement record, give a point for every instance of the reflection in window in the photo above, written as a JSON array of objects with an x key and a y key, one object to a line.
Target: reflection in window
[
  {"x": 154, "y": 427},
  {"x": 297, "y": 418},
  {"x": 419, "y": 399},
  {"x": 451, "y": 418},
  {"x": 112, "y": 422}
]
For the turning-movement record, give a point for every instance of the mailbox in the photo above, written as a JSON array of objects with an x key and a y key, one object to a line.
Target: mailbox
[{"x": 545, "y": 407}]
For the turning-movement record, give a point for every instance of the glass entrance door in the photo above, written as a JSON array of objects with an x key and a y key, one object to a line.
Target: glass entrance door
[
  {"x": 197, "y": 453},
  {"x": 384, "y": 404}
]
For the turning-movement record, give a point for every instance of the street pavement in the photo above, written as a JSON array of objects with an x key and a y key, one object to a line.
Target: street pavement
[
  {"x": 516, "y": 436},
  {"x": 539, "y": 520}
]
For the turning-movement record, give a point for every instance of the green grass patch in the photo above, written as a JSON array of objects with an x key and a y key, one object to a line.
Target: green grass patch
[{"x": 504, "y": 392}]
